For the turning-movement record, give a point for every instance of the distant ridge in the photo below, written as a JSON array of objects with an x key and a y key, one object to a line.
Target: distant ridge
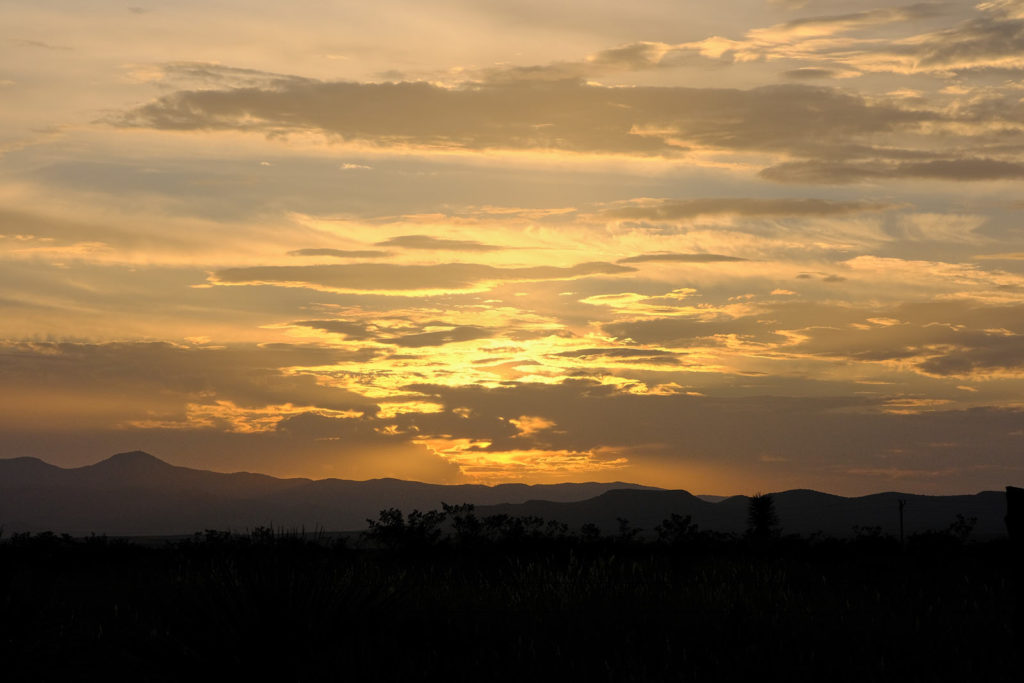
[
  {"x": 135, "y": 493},
  {"x": 800, "y": 511}
]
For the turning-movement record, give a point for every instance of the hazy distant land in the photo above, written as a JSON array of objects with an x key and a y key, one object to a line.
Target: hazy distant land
[{"x": 137, "y": 494}]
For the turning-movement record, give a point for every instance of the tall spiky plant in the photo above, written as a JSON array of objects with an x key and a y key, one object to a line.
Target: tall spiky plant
[{"x": 762, "y": 520}]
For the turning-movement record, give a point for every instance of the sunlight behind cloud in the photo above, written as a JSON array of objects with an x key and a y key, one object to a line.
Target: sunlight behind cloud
[{"x": 518, "y": 242}]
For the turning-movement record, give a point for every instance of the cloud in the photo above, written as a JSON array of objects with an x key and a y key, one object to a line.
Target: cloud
[
  {"x": 367, "y": 277},
  {"x": 963, "y": 169},
  {"x": 629, "y": 57},
  {"x": 564, "y": 115},
  {"x": 614, "y": 353},
  {"x": 980, "y": 356},
  {"x": 809, "y": 73},
  {"x": 691, "y": 435},
  {"x": 682, "y": 332},
  {"x": 815, "y": 134},
  {"x": 680, "y": 258},
  {"x": 67, "y": 384},
  {"x": 629, "y": 356},
  {"x": 341, "y": 253},
  {"x": 990, "y": 38},
  {"x": 679, "y": 209},
  {"x": 357, "y": 331},
  {"x": 39, "y": 44},
  {"x": 455, "y": 334},
  {"x": 968, "y": 169},
  {"x": 207, "y": 75},
  {"x": 808, "y": 27},
  {"x": 960, "y": 339},
  {"x": 428, "y": 242},
  {"x": 632, "y": 56},
  {"x": 406, "y": 334},
  {"x": 995, "y": 38},
  {"x": 58, "y": 231},
  {"x": 1007, "y": 256}
]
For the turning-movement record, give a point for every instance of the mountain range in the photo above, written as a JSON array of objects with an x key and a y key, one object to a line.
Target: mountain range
[{"x": 137, "y": 494}]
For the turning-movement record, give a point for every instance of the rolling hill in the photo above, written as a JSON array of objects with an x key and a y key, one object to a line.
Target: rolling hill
[{"x": 137, "y": 494}]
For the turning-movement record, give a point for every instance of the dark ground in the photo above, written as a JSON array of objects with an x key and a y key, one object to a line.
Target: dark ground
[{"x": 521, "y": 605}]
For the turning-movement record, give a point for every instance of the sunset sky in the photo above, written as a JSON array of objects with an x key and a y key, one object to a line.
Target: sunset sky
[{"x": 720, "y": 246}]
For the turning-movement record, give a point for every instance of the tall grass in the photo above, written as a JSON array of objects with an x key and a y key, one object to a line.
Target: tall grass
[{"x": 517, "y": 605}]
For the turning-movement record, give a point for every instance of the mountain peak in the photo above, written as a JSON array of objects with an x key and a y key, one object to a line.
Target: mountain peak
[
  {"x": 134, "y": 455},
  {"x": 24, "y": 465},
  {"x": 132, "y": 460}
]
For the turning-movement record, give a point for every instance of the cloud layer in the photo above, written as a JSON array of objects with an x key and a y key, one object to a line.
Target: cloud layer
[{"x": 724, "y": 248}]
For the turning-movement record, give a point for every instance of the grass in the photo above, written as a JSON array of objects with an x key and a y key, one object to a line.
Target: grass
[{"x": 704, "y": 607}]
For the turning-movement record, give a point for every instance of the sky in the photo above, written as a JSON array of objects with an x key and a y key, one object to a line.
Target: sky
[{"x": 729, "y": 247}]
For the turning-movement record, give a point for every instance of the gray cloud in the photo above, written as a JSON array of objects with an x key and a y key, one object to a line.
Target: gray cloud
[
  {"x": 680, "y": 258},
  {"x": 341, "y": 253},
  {"x": 394, "y": 277},
  {"x": 614, "y": 353},
  {"x": 986, "y": 354},
  {"x": 832, "y": 135},
  {"x": 117, "y": 382},
  {"x": 414, "y": 335},
  {"x": 304, "y": 445},
  {"x": 679, "y": 209},
  {"x": 968, "y": 169},
  {"x": 683, "y": 332},
  {"x": 563, "y": 114},
  {"x": 428, "y": 242},
  {"x": 210, "y": 75},
  {"x": 979, "y": 42},
  {"x": 356, "y": 331},
  {"x": 656, "y": 431},
  {"x": 635, "y": 56},
  {"x": 963, "y": 169},
  {"x": 949, "y": 350},
  {"x": 456, "y": 334},
  {"x": 810, "y": 73},
  {"x": 22, "y": 42},
  {"x": 821, "y": 436},
  {"x": 62, "y": 231},
  {"x": 992, "y": 38},
  {"x": 946, "y": 338},
  {"x": 921, "y": 10},
  {"x": 625, "y": 356}
]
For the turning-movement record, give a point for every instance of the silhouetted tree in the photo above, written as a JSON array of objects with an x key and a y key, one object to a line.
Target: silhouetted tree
[
  {"x": 762, "y": 520},
  {"x": 590, "y": 533},
  {"x": 556, "y": 530},
  {"x": 962, "y": 527},
  {"x": 466, "y": 526},
  {"x": 1014, "y": 512},
  {"x": 394, "y": 530},
  {"x": 627, "y": 532},
  {"x": 676, "y": 530}
]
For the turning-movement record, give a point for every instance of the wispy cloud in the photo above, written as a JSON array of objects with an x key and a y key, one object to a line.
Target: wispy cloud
[{"x": 435, "y": 243}]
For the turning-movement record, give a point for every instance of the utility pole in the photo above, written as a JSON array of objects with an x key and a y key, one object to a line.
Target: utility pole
[{"x": 903, "y": 504}]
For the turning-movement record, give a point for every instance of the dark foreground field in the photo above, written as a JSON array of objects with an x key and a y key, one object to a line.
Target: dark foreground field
[{"x": 538, "y": 604}]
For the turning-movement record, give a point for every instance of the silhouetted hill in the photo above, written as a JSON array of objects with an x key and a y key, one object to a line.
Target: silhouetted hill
[
  {"x": 27, "y": 471},
  {"x": 800, "y": 511},
  {"x": 138, "y": 494},
  {"x": 644, "y": 511}
]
